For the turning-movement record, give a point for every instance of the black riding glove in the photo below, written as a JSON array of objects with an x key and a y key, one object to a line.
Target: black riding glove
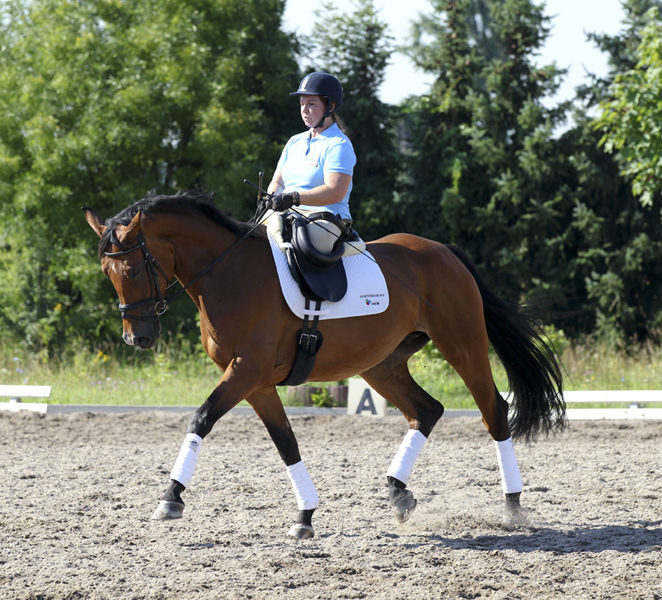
[{"x": 281, "y": 202}]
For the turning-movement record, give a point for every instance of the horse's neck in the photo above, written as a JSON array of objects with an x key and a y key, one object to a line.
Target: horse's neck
[
  {"x": 196, "y": 245},
  {"x": 203, "y": 248}
]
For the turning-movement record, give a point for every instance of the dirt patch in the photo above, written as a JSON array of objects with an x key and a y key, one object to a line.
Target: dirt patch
[{"x": 82, "y": 487}]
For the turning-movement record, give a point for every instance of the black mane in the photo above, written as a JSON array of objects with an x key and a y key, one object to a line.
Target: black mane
[{"x": 185, "y": 203}]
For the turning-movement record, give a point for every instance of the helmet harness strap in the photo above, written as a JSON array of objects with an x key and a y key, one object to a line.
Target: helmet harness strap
[{"x": 327, "y": 112}]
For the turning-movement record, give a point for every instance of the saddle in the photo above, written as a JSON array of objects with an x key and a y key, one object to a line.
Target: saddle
[{"x": 316, "y": 247}]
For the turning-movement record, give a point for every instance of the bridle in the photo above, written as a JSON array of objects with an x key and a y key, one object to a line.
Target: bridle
[{"x": 157, "y": 300}]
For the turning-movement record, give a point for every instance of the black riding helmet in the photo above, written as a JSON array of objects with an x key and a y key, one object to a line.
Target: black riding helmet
[{"x": 322, "y": 84}]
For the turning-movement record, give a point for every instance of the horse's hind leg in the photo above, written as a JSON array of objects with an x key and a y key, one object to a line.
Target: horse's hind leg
[
  {"x": 468, "y": 354},
  {"x": 391, "y": 379}
]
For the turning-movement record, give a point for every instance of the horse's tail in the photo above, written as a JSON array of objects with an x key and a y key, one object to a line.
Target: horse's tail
[{"x": 534, "y": 375}]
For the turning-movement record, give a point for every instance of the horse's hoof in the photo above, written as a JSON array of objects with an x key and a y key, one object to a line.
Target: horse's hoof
[
  {"x": 301, "y": 532},
  {"x": 514, "y": 516},
  {"x": 403, "y": 505},
  {"x": 168, "y": 510},
  {"x": 512, "y": 503},
  {"x": 513, "y": 520}
]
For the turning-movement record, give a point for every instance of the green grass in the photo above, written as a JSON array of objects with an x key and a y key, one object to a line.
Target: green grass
[
  {"x": 146, "y": 378},
  {"x": 176, "y": 378}
]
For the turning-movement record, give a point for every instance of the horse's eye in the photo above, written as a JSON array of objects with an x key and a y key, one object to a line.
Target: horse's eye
[{"x": 134, "y": 271}]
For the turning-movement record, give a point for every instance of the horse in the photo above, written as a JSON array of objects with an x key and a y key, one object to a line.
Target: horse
[{"x": 435, "y": 293}]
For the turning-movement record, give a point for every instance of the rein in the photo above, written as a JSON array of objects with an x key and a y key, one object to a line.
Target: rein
[{"x": 158, "y": 301}]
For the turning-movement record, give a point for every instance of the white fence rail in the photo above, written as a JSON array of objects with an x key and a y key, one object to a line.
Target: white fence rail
[
  {"x": 638, "y": 402},
  {"x": 363, "y": 400},
  {"x": 16, "y": 393}
]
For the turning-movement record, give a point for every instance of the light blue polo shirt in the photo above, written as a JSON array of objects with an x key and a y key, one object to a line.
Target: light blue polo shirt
[{"x": 305, "y": 159}]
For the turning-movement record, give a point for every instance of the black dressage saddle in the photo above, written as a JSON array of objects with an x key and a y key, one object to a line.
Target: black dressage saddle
[{"x": 320, "y": 275}]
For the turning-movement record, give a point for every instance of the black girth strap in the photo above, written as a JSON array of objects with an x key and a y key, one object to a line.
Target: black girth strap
[{"x": 309, "y": 341}]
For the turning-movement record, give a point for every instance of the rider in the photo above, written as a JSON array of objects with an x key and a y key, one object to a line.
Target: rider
[{"x": 315, "y": 168}]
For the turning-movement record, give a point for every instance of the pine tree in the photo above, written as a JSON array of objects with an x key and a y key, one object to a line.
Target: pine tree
[
  {"x": 618, "y": 248},
  {"x": 482, "y": 153}
]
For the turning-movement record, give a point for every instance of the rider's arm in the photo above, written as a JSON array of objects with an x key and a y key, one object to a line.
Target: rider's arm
[
  {"x": 276, "y": 186},
  {"x": 333, "y": 190}
]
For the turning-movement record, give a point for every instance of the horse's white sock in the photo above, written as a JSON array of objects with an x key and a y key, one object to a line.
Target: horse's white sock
[
  {"x": 511, "y": 480},
  {"x": 187, "y": 459},
  {"x": 304, "y": 488},
  {"x": 404, "y": 459}
]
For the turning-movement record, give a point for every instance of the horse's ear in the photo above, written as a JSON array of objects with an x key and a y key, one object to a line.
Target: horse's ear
[
  {"x": 94, "y": 220},
  {"x": 124, "y": 232}
]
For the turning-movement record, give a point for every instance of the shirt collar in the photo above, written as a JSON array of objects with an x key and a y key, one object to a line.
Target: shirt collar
[{"x": 328, "y": 132}]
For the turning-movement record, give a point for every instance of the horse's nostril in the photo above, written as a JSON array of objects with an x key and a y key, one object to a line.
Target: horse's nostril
[{"x": 143, "y": 342}]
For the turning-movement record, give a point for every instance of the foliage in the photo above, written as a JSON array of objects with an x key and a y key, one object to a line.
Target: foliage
[
  {"x": 322, "y": 399},
  {"x": 546, "y": 217},
  {"x": 613, "y": 287},
  {"x": 102, "y": 101},
  {"x": 631, "y": 118},
  {"x": 485, "y": 169}
]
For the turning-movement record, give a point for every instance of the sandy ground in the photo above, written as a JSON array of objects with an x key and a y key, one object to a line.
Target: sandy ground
[{"x": 82, "y": 488}]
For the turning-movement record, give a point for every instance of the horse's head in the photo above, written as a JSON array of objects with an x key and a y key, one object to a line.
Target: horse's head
[{"x": 138, "y": 274}]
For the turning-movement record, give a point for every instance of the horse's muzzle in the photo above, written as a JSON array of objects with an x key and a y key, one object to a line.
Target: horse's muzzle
[{"x": 142, "y": 339}]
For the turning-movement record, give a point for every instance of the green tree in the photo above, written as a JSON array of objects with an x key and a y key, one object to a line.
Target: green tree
[
  {"x": 356, "y": 48},
  {"x": 631, "y": 118},
  {"x": 485, "y": 170},
  {"x": 104, "y": 100},
  {"x": 614, "y": 277},
  {"x": 547, "y": 218}
]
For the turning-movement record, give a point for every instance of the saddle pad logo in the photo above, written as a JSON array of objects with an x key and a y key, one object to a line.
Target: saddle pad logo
[{"x": 372, "y": 299}]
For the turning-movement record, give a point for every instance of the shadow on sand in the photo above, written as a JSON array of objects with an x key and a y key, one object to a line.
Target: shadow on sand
[{"x": 639, "y": 537}]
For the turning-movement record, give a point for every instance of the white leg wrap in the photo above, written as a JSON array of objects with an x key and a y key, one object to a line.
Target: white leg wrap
[
  {"x": 187, "y": 459},
  {"x": 404, "y": 459},
  {"x": 304, "y": 488},
  {"x": 511, "y": 480}
]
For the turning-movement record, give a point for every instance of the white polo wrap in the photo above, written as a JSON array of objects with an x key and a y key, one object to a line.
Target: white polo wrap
[
  {"x": 187, "y": 459},
  {"x": 511, "y": 480},
  {"x": 304, "y": 488},
  {"x": 404, "y": 459}
]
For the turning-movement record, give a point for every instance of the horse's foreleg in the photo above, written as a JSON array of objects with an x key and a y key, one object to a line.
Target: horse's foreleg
[
  {"x": 270, "y": 409},
  {"x": 171, "y": 505},
  {"x": 220, "y": 401}
]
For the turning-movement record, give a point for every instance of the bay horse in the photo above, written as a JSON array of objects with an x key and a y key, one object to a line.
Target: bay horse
[{"x": 247, "y": 329}]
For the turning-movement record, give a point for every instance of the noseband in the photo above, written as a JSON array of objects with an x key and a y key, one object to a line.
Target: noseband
[{"x": 158, "y": 302}]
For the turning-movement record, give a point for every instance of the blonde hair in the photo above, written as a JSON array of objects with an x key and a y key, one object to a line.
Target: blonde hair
[{"x": 339, "y": 122}]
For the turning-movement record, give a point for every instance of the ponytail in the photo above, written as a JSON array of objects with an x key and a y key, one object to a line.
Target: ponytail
[{"x": 339, "y": 122}]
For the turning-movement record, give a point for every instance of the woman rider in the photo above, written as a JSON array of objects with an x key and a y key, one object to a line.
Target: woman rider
[{"x": 315, "y": 168}]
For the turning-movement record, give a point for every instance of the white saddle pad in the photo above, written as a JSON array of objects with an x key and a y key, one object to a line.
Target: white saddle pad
[{"x": 367, "y": 293}]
